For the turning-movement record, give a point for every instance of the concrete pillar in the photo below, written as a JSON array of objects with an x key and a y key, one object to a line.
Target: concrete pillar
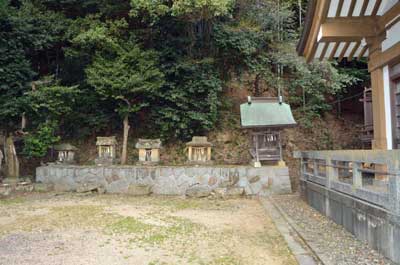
[
  {"x": 357, "y": 175},
  {"x": 315, "y": 168},
  {"x": 394, "y": 187}
]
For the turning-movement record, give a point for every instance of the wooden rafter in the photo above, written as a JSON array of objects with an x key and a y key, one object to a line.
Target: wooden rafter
[
  {"x": 332, "y": 55},
  {"x": 351, "y": 9},
  {"x": 341, "y": 56},
  {"x": 347, "y": 29},
  {"x": 353, "y": 51},
  {"x": 390, "y": 15},
  {"x": 339, "y": 9},
  {"x": 364, "y": 7},
  {"x": 376, "y": 7},
  {"x": 320, "y": 15},
  {"x": 322, "y": 55},
  {"x": 379, "y": 59},
  {"x": 363, "y": 51}
]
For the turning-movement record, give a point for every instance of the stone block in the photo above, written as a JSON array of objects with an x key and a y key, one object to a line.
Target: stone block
[
  {"x": 24, "y": 187},
  {"x": 219, "y": 193},
  {"x": 43, "y": 187},
  {"x": 87, "y": 187},
  {"x": 198, "y": 191},
  {"x": 167, "y": 185},
  {"x": 139, "y": 190},
  {"x": 120, "y": 186},
  {"x": 254, "y": 179},
  {"x": 234, "y": 192},
  {"x": 212, "y": 181},
  {"x": 88, "y": 174},
  {"x": 5, "y": 189}
]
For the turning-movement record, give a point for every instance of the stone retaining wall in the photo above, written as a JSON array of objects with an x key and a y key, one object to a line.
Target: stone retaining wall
[{"x": 166, "y": 180}]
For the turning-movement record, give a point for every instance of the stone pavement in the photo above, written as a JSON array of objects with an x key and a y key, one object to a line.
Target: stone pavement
[
  {"x": 330, "y": 242},
  {"x": 301, "y": 252}
]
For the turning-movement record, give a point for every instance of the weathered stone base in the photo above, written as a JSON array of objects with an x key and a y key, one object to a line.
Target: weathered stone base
[
  {"x": 369, "y": 223},
  {"x": 166, "y": 180},
  {"x": 14, "y": 185}
]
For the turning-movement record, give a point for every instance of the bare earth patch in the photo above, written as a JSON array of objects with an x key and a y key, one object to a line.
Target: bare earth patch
[{"x": 70, "y": 229}]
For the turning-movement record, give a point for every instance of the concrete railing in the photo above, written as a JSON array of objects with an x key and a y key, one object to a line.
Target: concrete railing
[{"x": 368, "y": 175}]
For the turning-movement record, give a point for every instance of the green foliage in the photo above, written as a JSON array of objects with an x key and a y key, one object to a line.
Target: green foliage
[
  {"x": 191, "y": 10},
  {"x": 124, "y": 73},
  {"x": 38, "y": 143},
  {"x": 15, "y": 69},
  {"x": 188, "y": 102},
  {"x": 52, "y": 102},
  {"x": 309, "y": 85},
  {"x": 166, "y": 61}
]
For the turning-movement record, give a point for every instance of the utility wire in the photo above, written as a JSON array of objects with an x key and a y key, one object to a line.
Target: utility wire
[{"x": 347, "y": 98}]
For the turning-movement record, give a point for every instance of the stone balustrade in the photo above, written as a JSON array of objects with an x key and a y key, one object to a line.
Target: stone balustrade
[{"x": 358, "y": 189}]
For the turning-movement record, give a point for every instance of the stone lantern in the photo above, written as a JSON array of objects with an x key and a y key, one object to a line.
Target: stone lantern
[
  {"x": 199, "y": 150},
  {"x": 149, "y": 150},
  {"x": 65, "y": 153},
  {"x": 106, "y": 148}
]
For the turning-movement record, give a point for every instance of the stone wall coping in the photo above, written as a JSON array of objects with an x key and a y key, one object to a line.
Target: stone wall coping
[{"x": 158, "y": 166}]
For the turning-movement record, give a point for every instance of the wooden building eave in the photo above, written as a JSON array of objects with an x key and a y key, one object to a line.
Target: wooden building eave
[{"x": 347, "y": 30}]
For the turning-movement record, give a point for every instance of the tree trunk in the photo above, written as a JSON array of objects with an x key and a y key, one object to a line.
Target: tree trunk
[
  {"x": 23, "y": 121},
  {"x": 125, "y": 141},
  {"x": 257, "y": 91}
]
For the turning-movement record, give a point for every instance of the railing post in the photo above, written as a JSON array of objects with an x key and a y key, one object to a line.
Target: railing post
[
  {"x": 331, "y": 172},
  {"x": 302, "y": 168},
  {"x": 394, "y": 187},
  {"x": 315, "y": 168},
  {"x": 357, "y": 176}
]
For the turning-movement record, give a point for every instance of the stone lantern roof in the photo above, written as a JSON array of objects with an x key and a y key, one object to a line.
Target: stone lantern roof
[
  {"x": 199, "y": 141},
  {"x": 148, "y": 144},
  {"x": 106, "y": 141},
  {"x": 65, "y": 147}
]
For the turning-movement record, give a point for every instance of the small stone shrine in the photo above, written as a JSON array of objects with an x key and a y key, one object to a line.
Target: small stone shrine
[
  {"x": 65, "y": 153},
  {"x": 106, "y": 149},
  {"x": 149, "y": 150},
  {"x": 199, "y": 150},
  {"x": 265, "y": 118}
]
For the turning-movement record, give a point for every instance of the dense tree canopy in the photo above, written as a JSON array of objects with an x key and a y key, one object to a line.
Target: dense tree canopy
[{"x": 163, "y": 61}]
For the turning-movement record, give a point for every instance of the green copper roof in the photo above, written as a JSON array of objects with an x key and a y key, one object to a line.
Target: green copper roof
[{"x": 261, "y": 113}]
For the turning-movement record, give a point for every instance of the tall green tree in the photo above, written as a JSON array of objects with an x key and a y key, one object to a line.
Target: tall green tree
[{"x": 126, "y": 75}]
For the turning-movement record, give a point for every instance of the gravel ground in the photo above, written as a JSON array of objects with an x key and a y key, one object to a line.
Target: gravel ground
[
  {"x": 67, "y": 229},
  {"x": 332, "y": 242}
]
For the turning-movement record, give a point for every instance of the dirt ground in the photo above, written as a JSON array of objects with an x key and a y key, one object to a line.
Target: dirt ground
[{"x": 72, "y": 229}]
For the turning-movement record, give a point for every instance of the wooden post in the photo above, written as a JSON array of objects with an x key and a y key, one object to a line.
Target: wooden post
[
  {"x": 190, "y": 153},
  {"x": 257, "y": 155},
  {"x": 124, "y": 155},
  {"x": 209, "y": 153},
  {"x": 378, "y": 94},
  {"x": 378, "y": 106}
]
